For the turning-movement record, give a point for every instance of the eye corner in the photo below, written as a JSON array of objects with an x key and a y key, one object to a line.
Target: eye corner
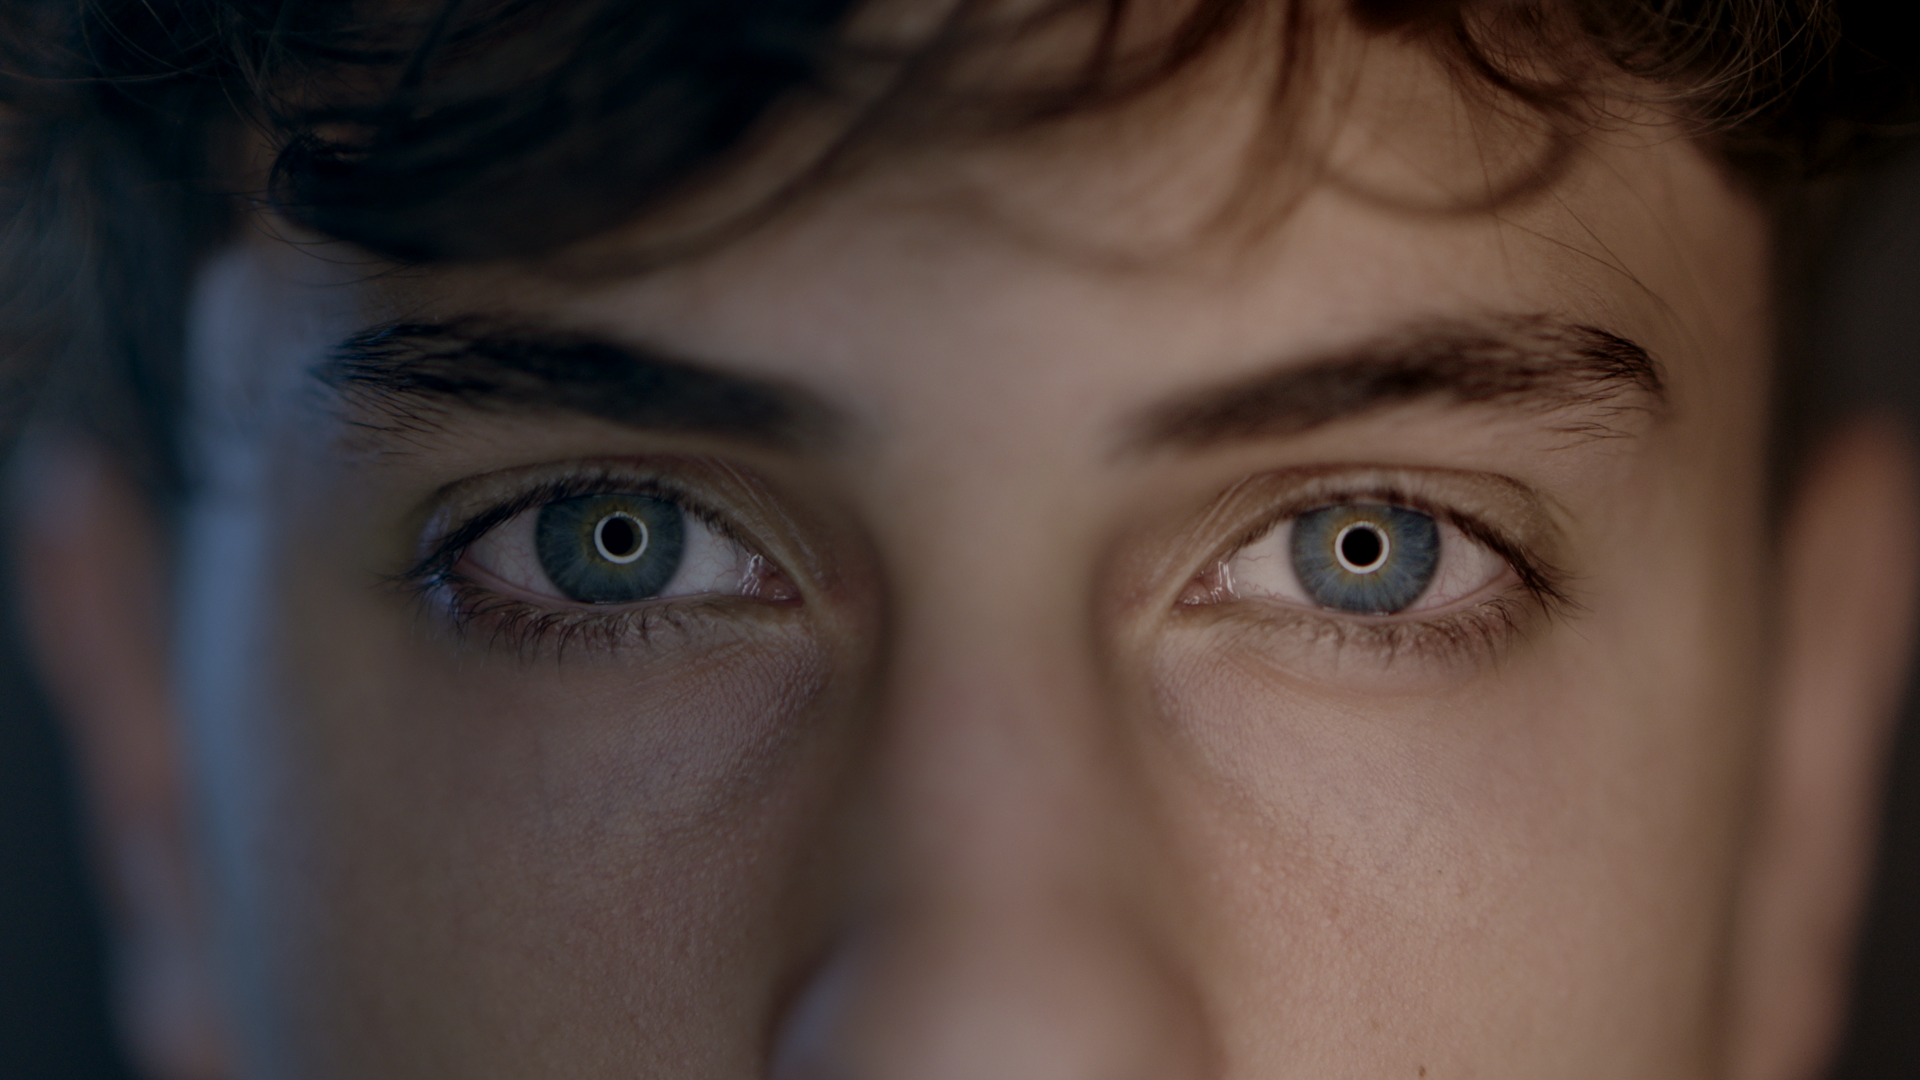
[
  {"x": 764, "y": 581},
  {"x": 1212, "y": 585},
  {"x": 1466, "y": 586}
]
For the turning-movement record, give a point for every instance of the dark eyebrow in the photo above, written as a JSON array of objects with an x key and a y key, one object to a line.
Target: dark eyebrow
[
  {"x": 1531, "y": 362},
  {"x": 403, "y": 370}
]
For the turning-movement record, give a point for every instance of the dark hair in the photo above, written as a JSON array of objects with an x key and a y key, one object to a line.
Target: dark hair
[{"x": 468, "y": 129}]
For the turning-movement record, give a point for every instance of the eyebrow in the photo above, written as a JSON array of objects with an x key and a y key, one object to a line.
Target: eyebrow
[
  {"x": 1534, "y": 362},
  {"x": 404, "y": 370},
  {"x": 1589, "y": 376}
]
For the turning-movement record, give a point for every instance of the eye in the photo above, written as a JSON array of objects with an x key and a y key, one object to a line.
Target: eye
[
  {"x": 1361, "y": 559},
  {"x": 618, "y": 548}
]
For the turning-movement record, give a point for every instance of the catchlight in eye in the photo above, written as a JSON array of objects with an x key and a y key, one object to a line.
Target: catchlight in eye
[
  {"x": 1365, "y": 559},
  {"x": 1361, "y": 547},
  {"x": 614, "y": 548},
  {"x": 620, "y": 538}
]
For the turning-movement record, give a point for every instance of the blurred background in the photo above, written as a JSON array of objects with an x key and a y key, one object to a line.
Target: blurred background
[{"x": 1866, "y": 347}]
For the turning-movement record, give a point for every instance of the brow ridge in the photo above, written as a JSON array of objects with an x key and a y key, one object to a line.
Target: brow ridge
[
  {"x": 1533, "y": 362},
  {"x": 398, "y": 368}
]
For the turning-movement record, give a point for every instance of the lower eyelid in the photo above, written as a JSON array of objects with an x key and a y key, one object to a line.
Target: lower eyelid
[
  {"x": 1304, "y": 639},
  {"x": 503, "y": 621},
  {"x": 1501, "y": 591}
]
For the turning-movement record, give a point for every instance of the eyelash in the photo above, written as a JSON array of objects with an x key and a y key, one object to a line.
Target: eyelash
[
  {"x": 1475, "y": 631},
  {"x": 525, "y": 628}
]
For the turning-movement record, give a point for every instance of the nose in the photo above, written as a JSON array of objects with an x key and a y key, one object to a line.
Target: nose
[
  {"x": 1026, "y": 921},
  {"x": 995, "y": 1002}
]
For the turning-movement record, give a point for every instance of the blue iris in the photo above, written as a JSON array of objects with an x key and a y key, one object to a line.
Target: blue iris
[
  {"x": 610, "y": 549},
  {"x": 1366, "y": 559}
]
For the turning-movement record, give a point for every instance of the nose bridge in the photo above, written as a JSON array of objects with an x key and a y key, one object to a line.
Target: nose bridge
[
  {"x": 1002, "y": 743},
  {"x": 1010, "y": 935}
]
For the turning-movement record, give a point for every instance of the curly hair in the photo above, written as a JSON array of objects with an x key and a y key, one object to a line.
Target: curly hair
[{"x": 429, "y": 130}]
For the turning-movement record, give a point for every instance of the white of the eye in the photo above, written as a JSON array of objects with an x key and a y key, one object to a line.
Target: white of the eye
[
  {"x": 1379, "y": 560},
  {"x": 600, "y": 540}
]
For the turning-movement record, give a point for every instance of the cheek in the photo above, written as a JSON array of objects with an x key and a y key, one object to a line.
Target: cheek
[
  {"x": 1493, "y": 854},
  {"x": 637, "y": 747},
  {"x": 477, "y": 859}
]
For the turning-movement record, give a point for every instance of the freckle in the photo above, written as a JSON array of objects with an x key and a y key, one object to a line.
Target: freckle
[{"x": 1423, "y": 1070}]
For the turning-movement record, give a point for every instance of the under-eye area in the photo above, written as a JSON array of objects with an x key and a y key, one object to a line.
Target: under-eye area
[
  {"x": 595, "y": 554},
  {"x": 1394, "y": 561}
]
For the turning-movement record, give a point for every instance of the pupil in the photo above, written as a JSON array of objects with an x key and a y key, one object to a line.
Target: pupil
[
  {"x": 1361, "y": 547},
  {"x": 618, "y": 536}
]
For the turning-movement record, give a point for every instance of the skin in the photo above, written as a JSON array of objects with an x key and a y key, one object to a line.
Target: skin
[{"x": 991, "y": 797}]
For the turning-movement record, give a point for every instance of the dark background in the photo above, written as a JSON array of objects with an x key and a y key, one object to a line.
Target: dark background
[{"x": 53, "y": 1022}]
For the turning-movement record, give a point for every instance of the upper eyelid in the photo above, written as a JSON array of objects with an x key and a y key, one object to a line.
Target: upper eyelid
[
  {"x": 1293, "y": 508},
  {"x": 1288, "y": 509},
  {"x": 1486, "y": 500},
  {"x": 1541, "y": 577},
  {"x": 445, "y": 551}
]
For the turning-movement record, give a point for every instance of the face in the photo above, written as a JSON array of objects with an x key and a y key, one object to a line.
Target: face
[{"x": 989, "y": 623}]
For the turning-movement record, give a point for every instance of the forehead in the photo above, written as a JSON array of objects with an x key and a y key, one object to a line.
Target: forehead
[{"x": 1172, "y": 242}]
